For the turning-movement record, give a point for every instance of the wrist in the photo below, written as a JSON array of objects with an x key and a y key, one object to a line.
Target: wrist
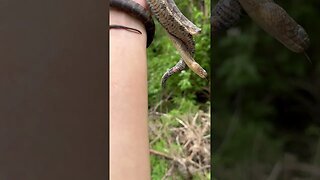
[
  {"x": 119, "y": 17},
  {"x": 133, "y": 15},
  {"x": 143, "y": 3},
  {"x": 123, "y": 18}
]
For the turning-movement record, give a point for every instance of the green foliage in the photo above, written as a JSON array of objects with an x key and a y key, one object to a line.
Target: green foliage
[
  {"x": 162, "y": 56},
  {"x": 249, "y": 140},
  {"x": 166, "y": 143},
  {"x": 159, "y": 167},
  {"x": 265, "y": 97},
  {"x": 181, "y": 88}
]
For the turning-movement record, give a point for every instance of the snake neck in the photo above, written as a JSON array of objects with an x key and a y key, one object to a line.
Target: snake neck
[{"x": 168, "y": 20}]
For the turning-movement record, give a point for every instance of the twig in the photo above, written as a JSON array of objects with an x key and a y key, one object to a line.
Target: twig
[
  {"x": 161, "y": 102},
  {"x": 168, "y": 173},
  {"x": 203, "y": 168},
  {"x": 275, "y": 171},
  {"x": 158, "y": 153},
  {"x": 195, "y": 119},
  {"x": 156, "y": 138},
  {"x": 234, "y": 122}
]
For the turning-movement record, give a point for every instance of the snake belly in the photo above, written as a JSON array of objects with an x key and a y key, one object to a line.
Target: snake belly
[{"x": 170, "y": 18}]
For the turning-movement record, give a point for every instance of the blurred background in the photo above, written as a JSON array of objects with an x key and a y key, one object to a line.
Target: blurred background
[{"x": 266, "y": 101}]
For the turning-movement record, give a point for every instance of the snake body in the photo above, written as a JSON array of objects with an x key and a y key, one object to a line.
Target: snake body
[
  {"x": 277, "y": 22},
  {"x": 179, "y": 28},
  {"x": 180, "y": 31},
  {"x": 190, "y": 27},
  {"x": 268, "y": 15},
  {"x": 131, "y": 8},
  {"x": 226, "y": 13}
]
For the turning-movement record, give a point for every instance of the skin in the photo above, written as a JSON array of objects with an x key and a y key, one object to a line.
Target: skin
[{"x": 129, "y": 145}]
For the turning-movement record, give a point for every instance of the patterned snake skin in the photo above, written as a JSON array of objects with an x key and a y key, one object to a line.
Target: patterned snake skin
[
  {"x": 180, "y": 31},
  {"x": 178, "y": 27},
  {"x": 268, "y": 15}
]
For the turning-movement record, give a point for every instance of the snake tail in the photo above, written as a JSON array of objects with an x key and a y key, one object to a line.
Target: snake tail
[{"x": 175, "y": 69}]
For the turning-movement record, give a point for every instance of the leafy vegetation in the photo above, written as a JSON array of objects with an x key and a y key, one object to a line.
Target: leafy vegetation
[
  {"x": 162, "y": 56},
  {"x": 266, "y": 100},
  {"x": 185, "y": 96}
]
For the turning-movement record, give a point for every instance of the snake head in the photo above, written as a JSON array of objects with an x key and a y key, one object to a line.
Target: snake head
[
  {"x": 196, "y": 68},
  {"x": 201, "y": 72},
  {"x": 194, "y": 31},
  {"x": 302, "y": 34},
  {"x": 298, "y": 43}
]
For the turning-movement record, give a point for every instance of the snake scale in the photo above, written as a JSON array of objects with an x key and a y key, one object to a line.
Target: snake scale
[
  {"x": 268, "y": 15},
  {"x": 225, "y": 14},
  {"x": 179, "y": 29}
]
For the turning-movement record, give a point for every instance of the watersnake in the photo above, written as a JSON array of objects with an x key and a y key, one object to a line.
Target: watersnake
[
  {"x": 268, "y": 15},
  {"x": 179, "y": 29}
]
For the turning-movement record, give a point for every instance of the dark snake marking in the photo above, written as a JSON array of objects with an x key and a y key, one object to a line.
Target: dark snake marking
[
  {"x": 180, "y": 31},
  {"x": 190, "y": 27},
  {"x": 181, "y": 65},
  {"x": 268, "y": 15},
  {"x": 133, "y": 8},
  {"x": 178, "y": 27},
  {"x": 226, "y": 13},
  {"x": 278, "y": 23}
]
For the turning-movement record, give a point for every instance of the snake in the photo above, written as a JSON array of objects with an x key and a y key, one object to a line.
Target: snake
[
  {"x": 179, "y": 29},
  {"x": 136, "y": 10},
  {"x": 226, "y": 13},
  {"x": 271, "y": 17}
]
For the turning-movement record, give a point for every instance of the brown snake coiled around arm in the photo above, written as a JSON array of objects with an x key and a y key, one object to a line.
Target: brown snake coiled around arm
[
  {"x": 137, "y": 11},
  {"x": 176, "y": 25}
]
